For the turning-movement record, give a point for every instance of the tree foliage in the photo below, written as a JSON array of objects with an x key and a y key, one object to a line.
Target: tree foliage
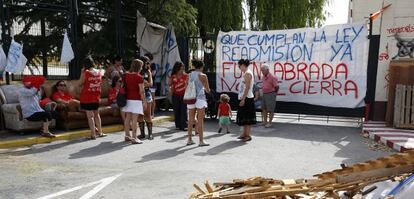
[
  {"x": 282, "y": 14},
  {"x": 215, "y": 15}
]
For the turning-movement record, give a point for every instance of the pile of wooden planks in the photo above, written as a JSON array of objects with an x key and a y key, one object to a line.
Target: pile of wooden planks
[{"x": 348, "y": 181}]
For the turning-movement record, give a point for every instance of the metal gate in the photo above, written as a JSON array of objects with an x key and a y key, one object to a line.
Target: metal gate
[{"x": 39, "y": 24}]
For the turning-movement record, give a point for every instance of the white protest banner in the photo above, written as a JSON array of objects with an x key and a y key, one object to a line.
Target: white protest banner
[
  {"x": 67, "y": 52},
  {"x": 319, "y": 66},
  {"x": 15, "y": 58}
]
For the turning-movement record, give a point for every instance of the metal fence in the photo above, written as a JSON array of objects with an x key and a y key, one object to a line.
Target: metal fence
[{"x": 39, "y": 26}]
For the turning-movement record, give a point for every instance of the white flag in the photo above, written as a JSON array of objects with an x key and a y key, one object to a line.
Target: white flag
[
  {"x": 3, "y": 60},
  {"x": 67, "y": 51},
  {"x": 14, "y": 57},
  {"x": 22, "y": 64}
]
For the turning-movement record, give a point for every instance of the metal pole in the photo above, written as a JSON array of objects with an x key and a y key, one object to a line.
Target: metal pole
[
  {"x": 119, "y": 28},
  {"x": 370, "y": 26},
  {"x": 44, "y": 50},
  {"x": 74, "y": 66}
]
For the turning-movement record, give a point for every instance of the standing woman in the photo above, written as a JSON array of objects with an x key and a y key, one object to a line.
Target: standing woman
[
  {"x": 246, "y": 114},
  {"x": 177, "y": 84},
  {"x": 153, "y": 89},
  {"x": 90, "y": 81},
  {"x": 147, "y": 76},
  {"x": 136, "y": 103},
  {"x": 201, "y": 84}
]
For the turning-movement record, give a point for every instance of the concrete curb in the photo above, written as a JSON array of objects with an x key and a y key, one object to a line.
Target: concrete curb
[{"x": 71, "y": 135}]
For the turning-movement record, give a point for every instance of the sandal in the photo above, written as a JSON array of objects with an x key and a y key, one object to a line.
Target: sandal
[
  {"x": 127, "y": 139},
  {"x": 136, "y": 141},
  {"x": 203, "y": 144},
  {"x": 102, "y": 135},
  {"x": 190, "y": 143},
  {"x": 48, "y": 135},
  {"x": 246, "y": 139},
  {"x": 92, "y": 138},
  {"x": 241, "y": 137}
]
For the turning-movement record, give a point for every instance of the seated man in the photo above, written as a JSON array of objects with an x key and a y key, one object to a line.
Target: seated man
[
  {"x": 63, "y": 97},
  {"x": 31, "y": 110}
]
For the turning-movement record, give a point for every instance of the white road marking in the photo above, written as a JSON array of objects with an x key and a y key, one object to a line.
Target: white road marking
[{"x": 102, "y": 184}]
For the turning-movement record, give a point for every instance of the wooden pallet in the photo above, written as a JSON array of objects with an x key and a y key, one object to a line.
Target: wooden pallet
[
  {"x": 404, "y": 106},
  {"x": 350, "y": 180}
]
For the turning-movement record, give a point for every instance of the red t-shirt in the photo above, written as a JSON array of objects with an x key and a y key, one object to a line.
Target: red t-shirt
[
  {"x": 66, "y": 96},
  {"x": 113, "y": 92},
  {"x": 91, "y": 91},
  {"x": 224, "y": 109},
  {"x": 132, "y": 82},
  {"x": 178, "y": 84}
]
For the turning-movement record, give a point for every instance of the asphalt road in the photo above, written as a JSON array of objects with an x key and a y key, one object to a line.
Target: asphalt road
[{"x": 166, "y": 168}]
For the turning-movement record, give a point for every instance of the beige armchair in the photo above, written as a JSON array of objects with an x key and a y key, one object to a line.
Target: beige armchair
[{"x": 11, "y": 111}]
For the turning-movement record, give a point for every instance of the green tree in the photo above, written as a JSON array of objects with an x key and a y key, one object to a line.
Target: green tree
[
  {"x": 179, "y": 13},
  {"x": 281, "y": 14},
  {"x": 216, "y": 15}
]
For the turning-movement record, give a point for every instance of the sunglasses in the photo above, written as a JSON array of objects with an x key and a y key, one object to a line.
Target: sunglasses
[
  {"x": 62, "y": 85},
  {"x": 119, "y": 81}
]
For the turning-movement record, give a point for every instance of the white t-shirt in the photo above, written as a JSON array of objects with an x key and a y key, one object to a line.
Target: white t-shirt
[{"x": 243, "y": 85}]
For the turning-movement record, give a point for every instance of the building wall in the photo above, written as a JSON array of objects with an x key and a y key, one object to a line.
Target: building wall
[{"x": 398, "y": 20}]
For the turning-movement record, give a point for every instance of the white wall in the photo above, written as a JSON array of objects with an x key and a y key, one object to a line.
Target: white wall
[{"x": 398, "y": 18}]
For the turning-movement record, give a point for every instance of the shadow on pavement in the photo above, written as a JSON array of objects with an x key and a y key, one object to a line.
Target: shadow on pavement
[
  {"x": 100, "y": 149},
  {"x": 221, "y": 148},
  {"x": 47, "y": 147},
  {"x": 165, "y": 154}
]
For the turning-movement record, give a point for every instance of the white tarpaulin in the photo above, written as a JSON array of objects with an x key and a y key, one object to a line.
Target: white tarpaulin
[
  {"x": 320, "y": 66},
  {"x": 3, "y": 60},
  {"x": 161, "y": 43},
  {"x": 67, "y": 52},
  {"x": 150, "y": 39},
  {"x": 16, "y": 61}
]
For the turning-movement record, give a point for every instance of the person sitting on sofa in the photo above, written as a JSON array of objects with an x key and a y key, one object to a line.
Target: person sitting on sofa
[
  {"x": 116, "y": 86},
  {"x": 29, "y": 102},
  {"x": 63, "y": 97}
]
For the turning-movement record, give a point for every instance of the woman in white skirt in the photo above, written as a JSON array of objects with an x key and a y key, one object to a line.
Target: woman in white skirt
[{"x": 136, "y": 103}]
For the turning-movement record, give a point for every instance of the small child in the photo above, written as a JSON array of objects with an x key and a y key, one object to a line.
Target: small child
[{"x": 224, "y": 113}]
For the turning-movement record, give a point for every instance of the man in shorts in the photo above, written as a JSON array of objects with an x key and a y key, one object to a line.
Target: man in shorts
[{"x": 270, "y": 89}]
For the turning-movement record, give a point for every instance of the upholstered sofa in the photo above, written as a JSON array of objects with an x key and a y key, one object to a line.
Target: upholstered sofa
[
  {"x": 72, "y": 120},
  {"x": 12, "y": 113}
]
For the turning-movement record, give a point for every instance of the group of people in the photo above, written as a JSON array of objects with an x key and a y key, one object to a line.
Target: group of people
[
  {"x": 246, "y": 113},
  {"x": 137, "y": 85}
]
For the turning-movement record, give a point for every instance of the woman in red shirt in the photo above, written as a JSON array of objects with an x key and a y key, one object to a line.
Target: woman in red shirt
[
  {"x": 177, "y": 84},
  {"x": 63, "y": 97},
  {"x": 90, "y": 95},
  {"x": 136, "y": 102}
]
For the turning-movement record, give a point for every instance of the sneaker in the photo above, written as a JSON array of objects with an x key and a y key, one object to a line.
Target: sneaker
[
  {"x": 268, "y": 125},
  {"x": 203, "y": 144},
  {"x": 228, "y": 132},
  {"x": 219, "y": 131}
]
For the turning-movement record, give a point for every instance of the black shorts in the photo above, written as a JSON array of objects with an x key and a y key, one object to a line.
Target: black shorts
[
  {"x": 89, "y": 106},
  {"x": 40, "y": 116}
]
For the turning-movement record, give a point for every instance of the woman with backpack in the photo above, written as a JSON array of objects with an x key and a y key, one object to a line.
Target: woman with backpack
[{"x": 200, "y": 81}]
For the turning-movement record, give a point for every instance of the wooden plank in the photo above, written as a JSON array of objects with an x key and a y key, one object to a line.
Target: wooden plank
[
  {"x": 289, "y": 181},
  {"x": 402, "y": 106},
  {"x": 199, "y": 189},
  {"x": 208, "y": 187},
  {"x": 397, "y": 104},
  {"x": 407, "y": 104},
  {"x": 376, "y": 173},
  {"x": 412, "y": 105}
]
